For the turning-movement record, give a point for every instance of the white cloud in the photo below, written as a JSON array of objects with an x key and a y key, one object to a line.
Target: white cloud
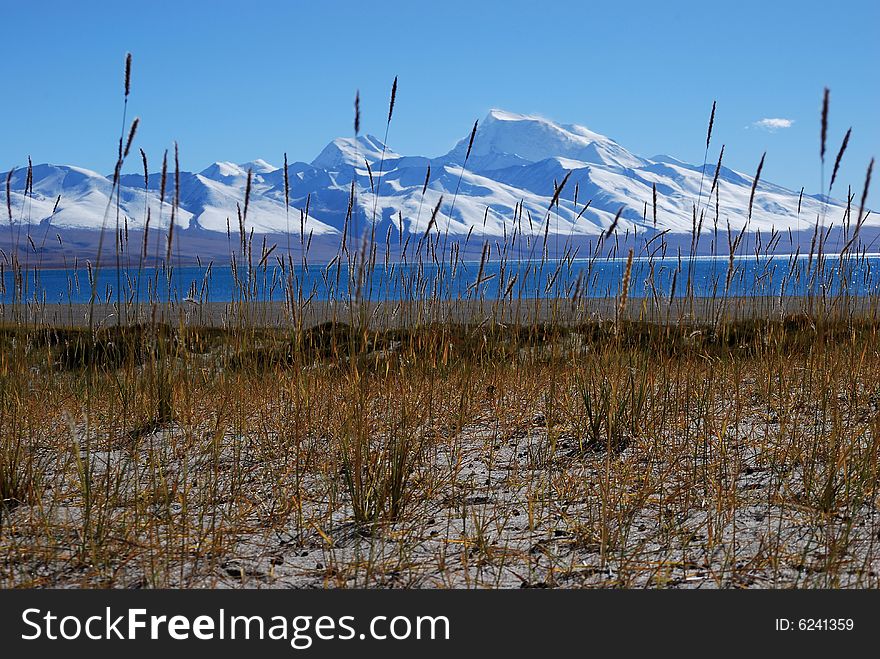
[{"x": 773, "y": 124}]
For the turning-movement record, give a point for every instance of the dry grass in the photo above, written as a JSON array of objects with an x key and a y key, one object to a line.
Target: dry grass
[{"x": 596, "y": 454}]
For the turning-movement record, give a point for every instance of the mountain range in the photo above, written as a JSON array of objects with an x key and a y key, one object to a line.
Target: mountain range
[{"x": 507, "y": 176}]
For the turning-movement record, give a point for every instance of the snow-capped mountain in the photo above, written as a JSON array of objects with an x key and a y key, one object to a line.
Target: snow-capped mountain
[{"x": 507, "y": 180}]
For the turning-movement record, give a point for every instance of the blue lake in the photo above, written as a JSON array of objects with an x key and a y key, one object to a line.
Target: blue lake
[{"x": 599, "y": 278}]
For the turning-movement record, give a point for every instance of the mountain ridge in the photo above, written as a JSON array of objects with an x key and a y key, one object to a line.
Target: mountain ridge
[{"x": 511, "y": 174}]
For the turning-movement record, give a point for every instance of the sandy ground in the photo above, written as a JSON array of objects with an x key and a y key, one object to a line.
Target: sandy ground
[
  {"x": 515, "y": 514},
  {"x": 396, "y": 314}
]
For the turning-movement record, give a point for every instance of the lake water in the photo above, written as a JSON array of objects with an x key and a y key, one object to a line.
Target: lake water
[{"x": 599, "y": 278}]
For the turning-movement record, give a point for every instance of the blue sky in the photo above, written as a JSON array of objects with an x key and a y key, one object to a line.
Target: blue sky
[{"x": 239, "y": 81}]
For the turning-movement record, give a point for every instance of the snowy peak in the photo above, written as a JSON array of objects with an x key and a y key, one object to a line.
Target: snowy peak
[
  {"x": 49, "y": 178},
  {"x": 259, "y": 166},
  {"x": 505, "y": 139},
  {"x": 224, "y": 171},
  {"x": 74, "y": 197},
  {"x": 230, "y": 172},
  {"x": 346, "y": 152}
]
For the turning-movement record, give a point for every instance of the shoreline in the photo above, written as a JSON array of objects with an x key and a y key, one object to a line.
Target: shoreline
[
  {"x": 475, "y": 260},
  {"x": 393, "y": 314}
]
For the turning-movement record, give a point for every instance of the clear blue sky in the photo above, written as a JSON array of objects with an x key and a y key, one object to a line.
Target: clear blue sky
[{"x": 239, "y": 81}]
